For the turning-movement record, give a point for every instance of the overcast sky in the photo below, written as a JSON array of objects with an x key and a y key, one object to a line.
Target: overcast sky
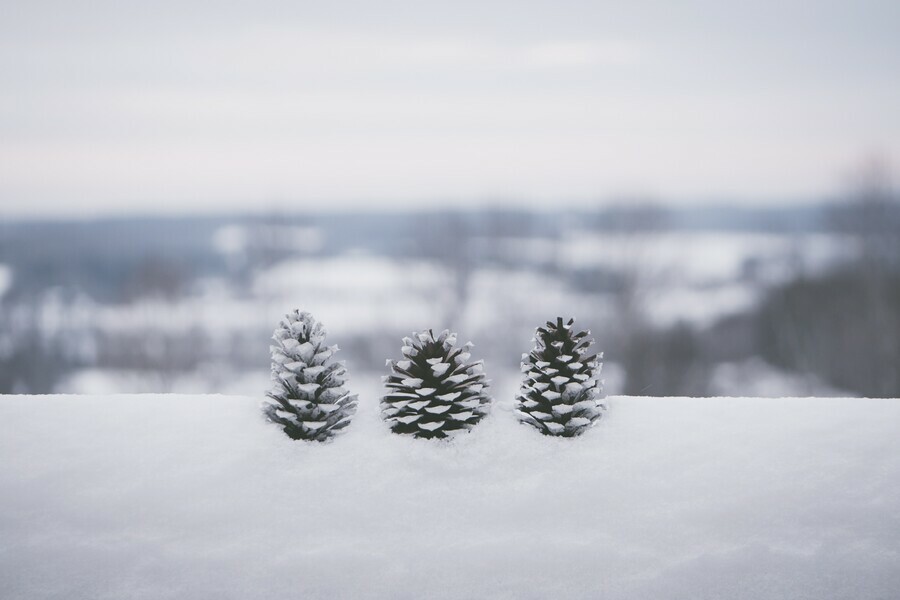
[{"x": 119, "y": 107}]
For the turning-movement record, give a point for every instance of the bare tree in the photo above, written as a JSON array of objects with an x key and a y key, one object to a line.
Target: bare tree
[
  {"x": 869, "y": 215},
  {"x": 446, "y": 238},
  {"x": 845, "y": 326}
]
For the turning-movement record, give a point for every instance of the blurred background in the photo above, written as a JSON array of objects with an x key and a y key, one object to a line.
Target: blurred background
[{"x": 710, "y": 188}]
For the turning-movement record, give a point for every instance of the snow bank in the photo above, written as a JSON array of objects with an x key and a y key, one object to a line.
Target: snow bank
[{"x": 197, "y": 497}]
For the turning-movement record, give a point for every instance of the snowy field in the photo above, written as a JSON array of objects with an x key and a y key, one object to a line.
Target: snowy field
[
  {"x": 212, "y": 337},
  {"x": 166, "y": 496}
]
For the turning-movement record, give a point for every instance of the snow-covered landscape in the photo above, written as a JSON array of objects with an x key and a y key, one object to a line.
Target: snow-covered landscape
[
  {"x": 171, "y": 496},
  {"x": 208, "y": 333},
  {"x": 419, "y": 300}
]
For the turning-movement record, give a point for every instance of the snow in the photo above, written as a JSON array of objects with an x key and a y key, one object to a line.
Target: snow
[
  {"x": 704, "y": 257},
  {"x": 701, "y": 306},
  {"x": 173, "y": 496},
  {"x": 235, "y": 240},
  {"x": 349, "y": 294},
  {"x": 200, "y": 380},
  {"x": 347, "y": 276},
  {"x": 440, "y": 368},
  {"x": 762, "y": 379},
  {"x": 230, "y": 239}
]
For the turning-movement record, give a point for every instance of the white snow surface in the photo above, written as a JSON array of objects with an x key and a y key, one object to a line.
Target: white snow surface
[{"x": 174, "y": 496}]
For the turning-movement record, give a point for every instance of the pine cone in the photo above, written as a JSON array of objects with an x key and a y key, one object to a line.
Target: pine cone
[
  {"x": 560, "y": 394},
  {"x": 433, "y": 392},
  {"x": 308, "y": 397}
]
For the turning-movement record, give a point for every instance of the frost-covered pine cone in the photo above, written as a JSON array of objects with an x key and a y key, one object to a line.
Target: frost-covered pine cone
[
  {"x": 560, "y": 394},
  {"x": 433, "y": 391},
  {"x": 308, "y": 397}
]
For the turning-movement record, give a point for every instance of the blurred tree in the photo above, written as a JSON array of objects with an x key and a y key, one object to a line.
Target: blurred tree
[
  {"x": 446, "y": 238},
  {"x": 657, "y": 361},
  {"x": 156, "y": 277},
  {"x": 665, "y": 362},
  {"x": 832, "y": 326},
  {"x": 29, "y": 363},
  {"x": 869, "y": 216},
  {"x": 844, "y": 326}
]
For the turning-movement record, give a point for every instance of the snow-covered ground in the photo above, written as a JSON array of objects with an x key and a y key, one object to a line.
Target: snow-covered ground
[{"x": 168, "y": 496}]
